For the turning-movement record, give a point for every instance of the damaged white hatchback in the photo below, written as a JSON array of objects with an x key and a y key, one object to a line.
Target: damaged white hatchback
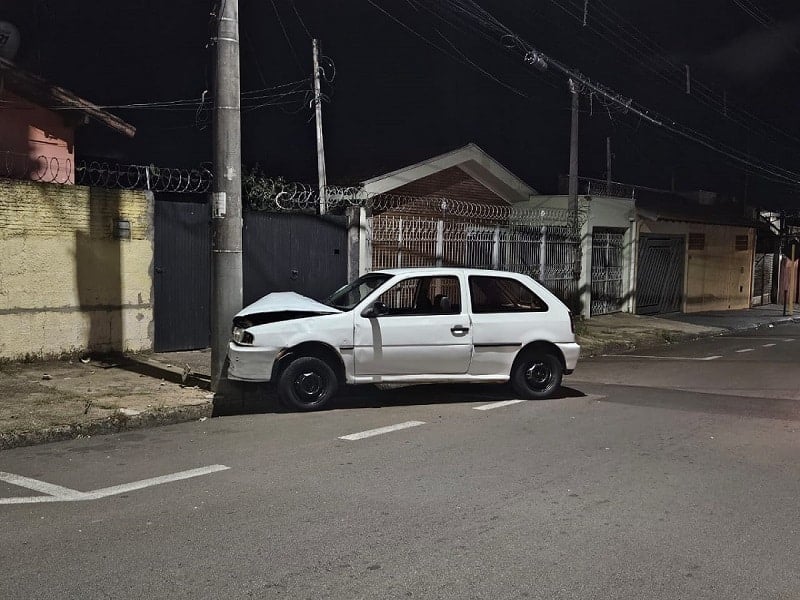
[{"x": 407, "y": 326}]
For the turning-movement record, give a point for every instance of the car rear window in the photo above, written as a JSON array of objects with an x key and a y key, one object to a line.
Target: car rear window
[{"x": 502, "y": 295}]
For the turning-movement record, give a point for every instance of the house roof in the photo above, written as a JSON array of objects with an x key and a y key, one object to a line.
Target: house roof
[
  {"x": 672, "y": 207},
  {"x": 471, "y": 159},
  {"x": 38, "y": 90}
]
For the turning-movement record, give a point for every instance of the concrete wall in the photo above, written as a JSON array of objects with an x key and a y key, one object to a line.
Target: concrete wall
[
  {"x": 35, "y": 143},
  {"x": 66, "y": 284},
  {"x": 718, "y": 277}
]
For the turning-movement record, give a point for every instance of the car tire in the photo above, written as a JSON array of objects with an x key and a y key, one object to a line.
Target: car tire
[
  {"x": 307, "y": 383},
  {"x": 536, "y": 375}
]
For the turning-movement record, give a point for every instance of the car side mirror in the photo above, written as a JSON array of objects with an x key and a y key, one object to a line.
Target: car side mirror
[{"x": 376, "y": 309}]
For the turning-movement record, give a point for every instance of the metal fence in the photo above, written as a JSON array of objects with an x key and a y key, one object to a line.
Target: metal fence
[
  {"x": 548, "y": 252},
  {"x": 414, "y": 231}
]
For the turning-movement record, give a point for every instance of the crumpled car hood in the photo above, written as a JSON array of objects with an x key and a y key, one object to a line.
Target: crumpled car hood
[{"x": 286, "y": 302}]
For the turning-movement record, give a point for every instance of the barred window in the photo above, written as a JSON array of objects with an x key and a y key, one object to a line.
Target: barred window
[
  {"x": 697, "y": 241},
  {"x": 742, "y": 243}
]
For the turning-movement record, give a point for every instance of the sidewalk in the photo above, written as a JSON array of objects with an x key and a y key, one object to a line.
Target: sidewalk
[{"x": 55, "y": 400}]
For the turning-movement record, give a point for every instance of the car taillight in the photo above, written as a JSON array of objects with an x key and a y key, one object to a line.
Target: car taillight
[{"x": 572, "y": 321}]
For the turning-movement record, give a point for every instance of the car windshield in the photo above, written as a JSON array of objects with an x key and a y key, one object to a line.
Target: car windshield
[{"x": 353, "y": 294}]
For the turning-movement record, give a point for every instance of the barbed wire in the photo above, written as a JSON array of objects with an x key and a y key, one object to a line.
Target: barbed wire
[
  {"x": 46, "y": 169},
  {"x": 278, "y": 195},
  {"x": 104, "y": 174},
  {"x": 143, "y": 177}
]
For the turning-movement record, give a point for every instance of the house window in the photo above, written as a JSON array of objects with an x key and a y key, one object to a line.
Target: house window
[
  {"x": 697, "y": 241},
  {"x": 742, "y": 243}
]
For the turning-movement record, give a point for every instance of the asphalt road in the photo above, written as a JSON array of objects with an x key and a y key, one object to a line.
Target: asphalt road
[{"x": 653, "y": 476}]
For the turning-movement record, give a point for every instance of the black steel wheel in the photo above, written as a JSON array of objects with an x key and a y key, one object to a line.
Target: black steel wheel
[
  {"x": 536, "y": 375},
  {"x": 307, "y": 383}
]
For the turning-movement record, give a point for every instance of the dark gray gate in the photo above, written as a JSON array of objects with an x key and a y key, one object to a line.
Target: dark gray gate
[
  {"x": 659, "y": 282},
  {"x": 295, "y": 252},
  {"x": 607, "y": 271},
  {"x": 181, "y": 275},
  {"x": 282, "y": 252}
]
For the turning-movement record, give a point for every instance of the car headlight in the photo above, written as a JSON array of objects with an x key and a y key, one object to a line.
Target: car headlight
[{"x": 242, "y": 336}]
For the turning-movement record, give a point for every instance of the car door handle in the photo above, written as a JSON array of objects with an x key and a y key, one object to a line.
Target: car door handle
[{"x": 459, "y": 329}]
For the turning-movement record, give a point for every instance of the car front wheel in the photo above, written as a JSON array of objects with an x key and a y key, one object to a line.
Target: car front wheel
[
  {"x": 537, "y": 375},
  {"x": 308, "y": 383}
]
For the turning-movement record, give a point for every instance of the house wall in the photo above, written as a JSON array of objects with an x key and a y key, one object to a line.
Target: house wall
[
  {"x": 35, "y": 143},
  {"x": 66, "y": 284},
  {"x": 718, "y": 277}
]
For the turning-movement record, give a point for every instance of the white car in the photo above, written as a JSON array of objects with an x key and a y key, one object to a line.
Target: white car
[{"x": 407, "y": 326}]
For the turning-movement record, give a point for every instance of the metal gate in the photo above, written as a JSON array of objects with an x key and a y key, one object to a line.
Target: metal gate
[
  {"x": 762, "y": 278},
  {"x": 607, "y": 271},
  {"x": 281, "y": 252},
  {"x": 659, "y": 282},
  {"x": 295, "y": 252},
  {"x": 181, "y": 275},
  {"x": 547, "y": 252}
]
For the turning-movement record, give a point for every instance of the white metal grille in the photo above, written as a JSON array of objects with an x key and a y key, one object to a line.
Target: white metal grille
[
  {"x": 546, "y": 252},
  {"x": 607, "y": 271}
]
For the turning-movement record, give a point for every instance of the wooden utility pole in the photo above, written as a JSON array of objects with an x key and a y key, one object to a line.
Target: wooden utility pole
[
  {"x": 323, "y": 181},
  {"x": 608, "y": 165},
  {"x": 226, "y": 204}
]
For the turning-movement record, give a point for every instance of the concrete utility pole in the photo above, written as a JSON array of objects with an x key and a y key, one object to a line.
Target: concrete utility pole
[
  {"x": 573, "y": 148},
  {"x": 323, "y": 181},
  {"x": 226, "y": 201}
]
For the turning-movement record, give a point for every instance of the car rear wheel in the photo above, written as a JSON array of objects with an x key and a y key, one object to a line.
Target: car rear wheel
[
  {"x": 307, "y": 383},
  {"x": 536, "y": 375}
]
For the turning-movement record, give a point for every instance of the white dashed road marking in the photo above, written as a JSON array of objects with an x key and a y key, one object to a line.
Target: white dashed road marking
[
  {"x": 497, "y": 404},
  {"x": 744, "y": 350},
  {"x": 768, "y": 345},
  {"x": 57, "y": 493},
  {"x": 380, "y": 430},
  {"x": 661, "y": 357}
]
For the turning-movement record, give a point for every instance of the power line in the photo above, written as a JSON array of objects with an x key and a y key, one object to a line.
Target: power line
[
  {"x": 532, "y": 56},
  {"x": 286, "y": 36}
]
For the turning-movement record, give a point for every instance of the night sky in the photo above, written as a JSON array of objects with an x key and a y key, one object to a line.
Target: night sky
[{"x": 396, "y": 99}]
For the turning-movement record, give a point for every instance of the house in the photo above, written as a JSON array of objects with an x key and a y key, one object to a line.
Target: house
[
  {"x": 38, "y": 121},
  {"x": 460, "y": 208},
  {"x": 77, "y": 260}
]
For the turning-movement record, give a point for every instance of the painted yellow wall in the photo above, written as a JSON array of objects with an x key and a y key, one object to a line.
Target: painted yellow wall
[
  {"x": 66, "y": 285},
  {"x": 718, "y": 277}
]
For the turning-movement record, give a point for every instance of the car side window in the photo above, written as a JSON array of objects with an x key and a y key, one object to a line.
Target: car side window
[
  {"x": 502, "y": 295},
  {"x": 423, "y": 296}
]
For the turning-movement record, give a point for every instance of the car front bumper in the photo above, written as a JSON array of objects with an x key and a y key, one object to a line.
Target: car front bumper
[
  {"x": 571, "y": 352},
  {"x": 251, "y": 363}
]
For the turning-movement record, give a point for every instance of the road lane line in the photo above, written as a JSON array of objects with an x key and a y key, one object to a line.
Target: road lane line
[
  {"x": 768, "y": 345},
  {"x": 788, "y": 340},
  {"x": 497, "y": 404},
  {"x": 660, "y": 357},
  {"x": 50, "y": 489},
  {"x": 143, "y": 483},
  {"x": 381, "y": 430},
  {"x": 62, "y": 494},
  {"x": 745, "y": 350}
]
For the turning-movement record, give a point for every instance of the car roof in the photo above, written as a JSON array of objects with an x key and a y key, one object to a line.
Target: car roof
[{"x": 438, "y": 270}]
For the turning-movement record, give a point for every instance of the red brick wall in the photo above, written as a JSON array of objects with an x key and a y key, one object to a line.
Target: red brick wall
[{"x": 452, "y": 183}]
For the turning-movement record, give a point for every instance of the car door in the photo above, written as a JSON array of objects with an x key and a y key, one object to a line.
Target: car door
[
  {"x": 425, "y": 330},
  {"x": 504, "y": 313}
]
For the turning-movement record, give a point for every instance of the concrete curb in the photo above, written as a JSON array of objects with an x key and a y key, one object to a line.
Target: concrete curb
[{"x": 116, "y": 423}]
